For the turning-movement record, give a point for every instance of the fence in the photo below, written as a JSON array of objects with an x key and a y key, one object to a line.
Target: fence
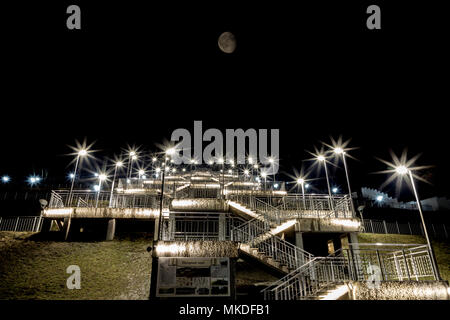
[
  {"x": 92, "y": 199},
  {"x": 25, "y": 223},
  {"x": 384, "y": 227},
  {"x": 361, "y": 262},
  {"x": 200, "y": 226},
  {"x": 16, "y": 196},
  {"x": 281, "y": 208},
  {"x": 255, "y": 236}
]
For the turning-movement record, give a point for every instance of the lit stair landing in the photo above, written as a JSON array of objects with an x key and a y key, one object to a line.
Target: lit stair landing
[{"x": 244, "y": 210}]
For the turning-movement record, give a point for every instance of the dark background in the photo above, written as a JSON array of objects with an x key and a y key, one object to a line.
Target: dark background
[{"x": 137, "y": 71}]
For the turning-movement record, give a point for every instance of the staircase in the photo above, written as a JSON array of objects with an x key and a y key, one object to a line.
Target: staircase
[
  {"x": 258, "y": 236},
  {"x": 321, "y": 278}
]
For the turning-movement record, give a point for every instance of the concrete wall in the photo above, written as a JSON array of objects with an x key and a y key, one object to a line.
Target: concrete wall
[{"x": 328, "y": 225}]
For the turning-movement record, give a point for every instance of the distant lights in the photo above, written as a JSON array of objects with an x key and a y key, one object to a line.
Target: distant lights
[
  {"x": 320, "y": 158},
  {"x": 300, "y": 181},
  {"x": 379, "y": 198},
  {"x": 96, "y": 187},
  {"x": 335, "y": 190},
  {"x": 82, "y": 152},
  {"x": 338, "y": 150},
  {"x": 34, "y": 180},
  {"x": 6, "y": 179}
]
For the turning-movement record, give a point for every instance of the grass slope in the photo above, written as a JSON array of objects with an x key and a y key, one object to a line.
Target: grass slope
[{"x": 34, "y": 269}]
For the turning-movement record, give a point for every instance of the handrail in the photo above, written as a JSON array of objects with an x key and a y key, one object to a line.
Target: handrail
[
  {"x": 308, "y": 280},
  {"x": 273, "y": 246},
  {"x": 411, "y": 262}
]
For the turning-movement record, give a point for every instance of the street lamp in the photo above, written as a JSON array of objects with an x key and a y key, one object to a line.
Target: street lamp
[
  {"x": 101, "y": 177},
  {"x": 402, "y": 170},
  {"x": 301, "y": 182},
  {"x": 118, "y": 164},
  {"x": 81, "y": 153},
  {"x": 131, "y": 157},
  {"x": 340, "y": 151},
  {"x": 169, "y": 152},
  {"x": 321, "y": 158},
  {"x": 264, "y": 175},
  {"x": 222, "y": 162}
]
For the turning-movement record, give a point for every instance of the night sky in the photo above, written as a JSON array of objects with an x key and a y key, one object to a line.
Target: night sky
[{"x": 135, "y": 72}]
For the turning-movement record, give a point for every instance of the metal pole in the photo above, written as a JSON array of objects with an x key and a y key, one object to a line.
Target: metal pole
[
  {"x": 348, "y": 182},
  {"x": 98, "y": 193},
  {"x": 112, "y": 185},
  {"x": 161, "y": 201},
  {"x": 303, "y": 195},
  {"x": 69, "y": 198},
  {"x": 329, "y": 189},
  {"x": 419, "y": 206}
]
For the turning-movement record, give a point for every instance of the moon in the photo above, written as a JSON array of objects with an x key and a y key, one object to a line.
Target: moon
[{"x": 227, "y": 42}]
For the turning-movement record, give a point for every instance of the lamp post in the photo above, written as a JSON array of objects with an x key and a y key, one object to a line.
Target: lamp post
[
  {"x": 255, "y": 166},
  {"x": 131, "y": 157},
  {"x": 81, "y": 153},
  {"x": 321, "y": 158},
  {"x": 222, "y": 191},
  {"x": 169, "y": 152},
  {"x": 301, "y": 182},
  {"x": 403, "y": 170},
  {"x": 339, "y": 151},
  {"x": 101, "y": 178},
  {"x": 117, "y": 165},
  {"x": 264, "y": 175},
  {"x": 272, "y": 161}
]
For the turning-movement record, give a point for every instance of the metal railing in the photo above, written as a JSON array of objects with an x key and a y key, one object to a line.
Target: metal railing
[
  {"x": 190, "y": 226},
  {"x": 360, "y": 262},
  {"x": 268, "y": 212},
  {"x": 313, "y": 206},
  {"x": 92, "y": 199},
  {"x": 384, "y": 227},
  {"x": 395, "y": 261},
  {"x": 278, "y": 209},
  {"x": 309, "y": 279},
  {"x": 281, "y": 251},
  {"x": 21, "y": 223}
]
